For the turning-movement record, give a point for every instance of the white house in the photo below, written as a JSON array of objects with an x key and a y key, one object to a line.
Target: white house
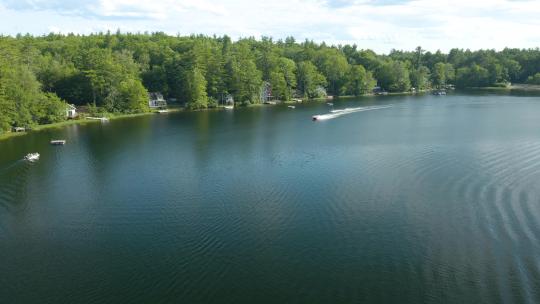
[
  {"x": 156, "y": 100},
  {"x": 71, "y": 111},
  {"x": 229, "y": 99}
]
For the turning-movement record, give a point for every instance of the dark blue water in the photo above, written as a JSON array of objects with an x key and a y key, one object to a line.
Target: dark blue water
[{"x": 432, "y": 200}]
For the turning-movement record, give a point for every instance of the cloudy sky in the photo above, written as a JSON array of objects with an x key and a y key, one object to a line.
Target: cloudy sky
[{"x": 377, "y": 24}]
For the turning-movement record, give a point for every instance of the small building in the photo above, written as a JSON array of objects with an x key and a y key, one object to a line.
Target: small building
[
  {"x": 71, "y": 111},
  {"x": 229, "y": 99},
  {"x": 156, "y": 100},
  {"x": 266, "y": 92},
  {"x": 18, "y": 129},
  {"x": 379, "y": 91}
]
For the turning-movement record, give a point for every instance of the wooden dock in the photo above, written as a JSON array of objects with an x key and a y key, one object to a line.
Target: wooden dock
[{"x": 103, "y": 119}]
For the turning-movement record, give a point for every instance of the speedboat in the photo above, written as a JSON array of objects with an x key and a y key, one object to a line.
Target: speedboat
[
  {"x": 32, "y": 157},
  {"x": 291, "y": 107},
  {"x": 229, "y": 107},
  {"x": 330, "y": 103},
  {"x": 58, "y": 142}
]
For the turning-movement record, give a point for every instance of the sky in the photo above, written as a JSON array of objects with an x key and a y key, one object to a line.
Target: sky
[{"x": 380, "y": 25}]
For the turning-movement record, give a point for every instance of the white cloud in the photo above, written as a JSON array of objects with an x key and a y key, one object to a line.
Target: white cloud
[{"x": 381, "y": 25}]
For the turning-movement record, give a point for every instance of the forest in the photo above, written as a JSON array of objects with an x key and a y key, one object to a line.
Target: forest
[{"x": 113, "y": 72}]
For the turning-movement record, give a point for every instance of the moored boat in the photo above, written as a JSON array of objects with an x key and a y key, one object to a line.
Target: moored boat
[{"x": 32, "y": 157}]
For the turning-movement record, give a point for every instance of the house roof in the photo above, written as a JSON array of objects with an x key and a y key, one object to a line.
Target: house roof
[{"x": 155, "y": 96}]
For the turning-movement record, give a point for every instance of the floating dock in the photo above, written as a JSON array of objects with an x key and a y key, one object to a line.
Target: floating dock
[{"x": 98, "y": 118}]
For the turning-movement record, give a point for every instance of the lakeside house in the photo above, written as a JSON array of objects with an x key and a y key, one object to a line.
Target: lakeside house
[
  {"x": 379, "y": 91},
  {"x": 71, "y": 111},
  {"x": 156, "y": 100},
  {"x": 266, "y": 92},
  {"x": 229, "y": 99}
]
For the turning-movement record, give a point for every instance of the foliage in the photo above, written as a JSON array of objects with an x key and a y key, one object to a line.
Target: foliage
[
  {"x": 420, "y": 78},
  {"x": 114, "y": 72},
  {"x": 534, "y": 79},
  {"x": 393, "y": 76},
  {"x": 359, "y": 81}
]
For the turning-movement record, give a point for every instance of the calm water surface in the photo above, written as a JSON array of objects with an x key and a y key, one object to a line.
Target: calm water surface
[{"x": 433, "y": 200}]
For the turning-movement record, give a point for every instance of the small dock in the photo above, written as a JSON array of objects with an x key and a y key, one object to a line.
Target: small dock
[
  {"x": 103, "y": 119},
  {"x": 58, "y": 142}
]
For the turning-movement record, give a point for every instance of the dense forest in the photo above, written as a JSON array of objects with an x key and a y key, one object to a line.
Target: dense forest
[{"x": 113, "y": 72}]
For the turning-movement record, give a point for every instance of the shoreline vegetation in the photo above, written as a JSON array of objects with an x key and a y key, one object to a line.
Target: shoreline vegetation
[
  {"x": 83, "y": 121},
  {"x": 110, "y": 116},
  {"x": 45, "y": 80}
]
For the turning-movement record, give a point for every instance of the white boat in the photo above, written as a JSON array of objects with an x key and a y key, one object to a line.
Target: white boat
[
  {"x": 32, "y": 157},
  {"x": 229, "y": 107},
  {"x": 291, "y": 107},
  {"x": 163, "y": 111},
  {"x": 58, "y": 142},
  {"x": 330, "y": 103}
]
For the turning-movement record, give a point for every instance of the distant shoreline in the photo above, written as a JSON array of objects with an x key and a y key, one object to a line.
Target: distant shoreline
[
  {"x": 514, "y": 87},
  {"x": 7, "y": 135}
]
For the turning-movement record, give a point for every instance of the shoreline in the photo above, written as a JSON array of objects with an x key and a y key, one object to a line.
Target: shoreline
[
  {"x": 177, "y": 109},
  {"x": 514, "y": 87},
  {"x": 83, "y": 121}
]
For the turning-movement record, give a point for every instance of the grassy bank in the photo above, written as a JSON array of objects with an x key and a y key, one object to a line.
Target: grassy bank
[{"x": 81, "y": 121}]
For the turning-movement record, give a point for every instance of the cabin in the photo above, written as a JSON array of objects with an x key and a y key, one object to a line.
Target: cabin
[
  {"x": 156, "y": 100},
  {"x": 71, "y": 111},
  {"x": 18, "y": 129},
  {"x": 266, "y": 92},
  {"x": 229, "y": 100},
  {"x": 379, "y": 91}
]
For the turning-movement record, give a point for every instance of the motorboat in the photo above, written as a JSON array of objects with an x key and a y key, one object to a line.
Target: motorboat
[
  {"x": 58, "y": 142},
  {"x": 229, "y": 107},
  {"x": 291, "y": 107},
  {"x": 32, "y": 157}
]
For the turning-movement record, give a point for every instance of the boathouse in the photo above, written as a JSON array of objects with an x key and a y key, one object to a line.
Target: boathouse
[
  {"x": 156, "y": 100},
  {"x": 71, "y": 111}
]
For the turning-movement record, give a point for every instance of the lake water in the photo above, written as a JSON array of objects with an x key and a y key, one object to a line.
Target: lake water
[{"x": 431, "y": 200}]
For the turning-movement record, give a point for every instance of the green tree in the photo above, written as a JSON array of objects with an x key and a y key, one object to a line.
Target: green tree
[
  {"x": 129, "y": 96},
  {"x": 420, "y": 78},
  {"x": 359, "y": 81},
  {"x": 334, "y": 66},
  {"x": 309, "y": 79},
  {"x": 393, "y": 76},
  {"x": 197, "y": 88}
]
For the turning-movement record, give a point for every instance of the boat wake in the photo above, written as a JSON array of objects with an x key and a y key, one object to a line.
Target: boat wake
[{"x": 337, "y": 113}]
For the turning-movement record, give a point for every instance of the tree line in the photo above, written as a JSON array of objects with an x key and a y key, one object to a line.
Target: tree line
[{"x": 113, "y": 72}]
